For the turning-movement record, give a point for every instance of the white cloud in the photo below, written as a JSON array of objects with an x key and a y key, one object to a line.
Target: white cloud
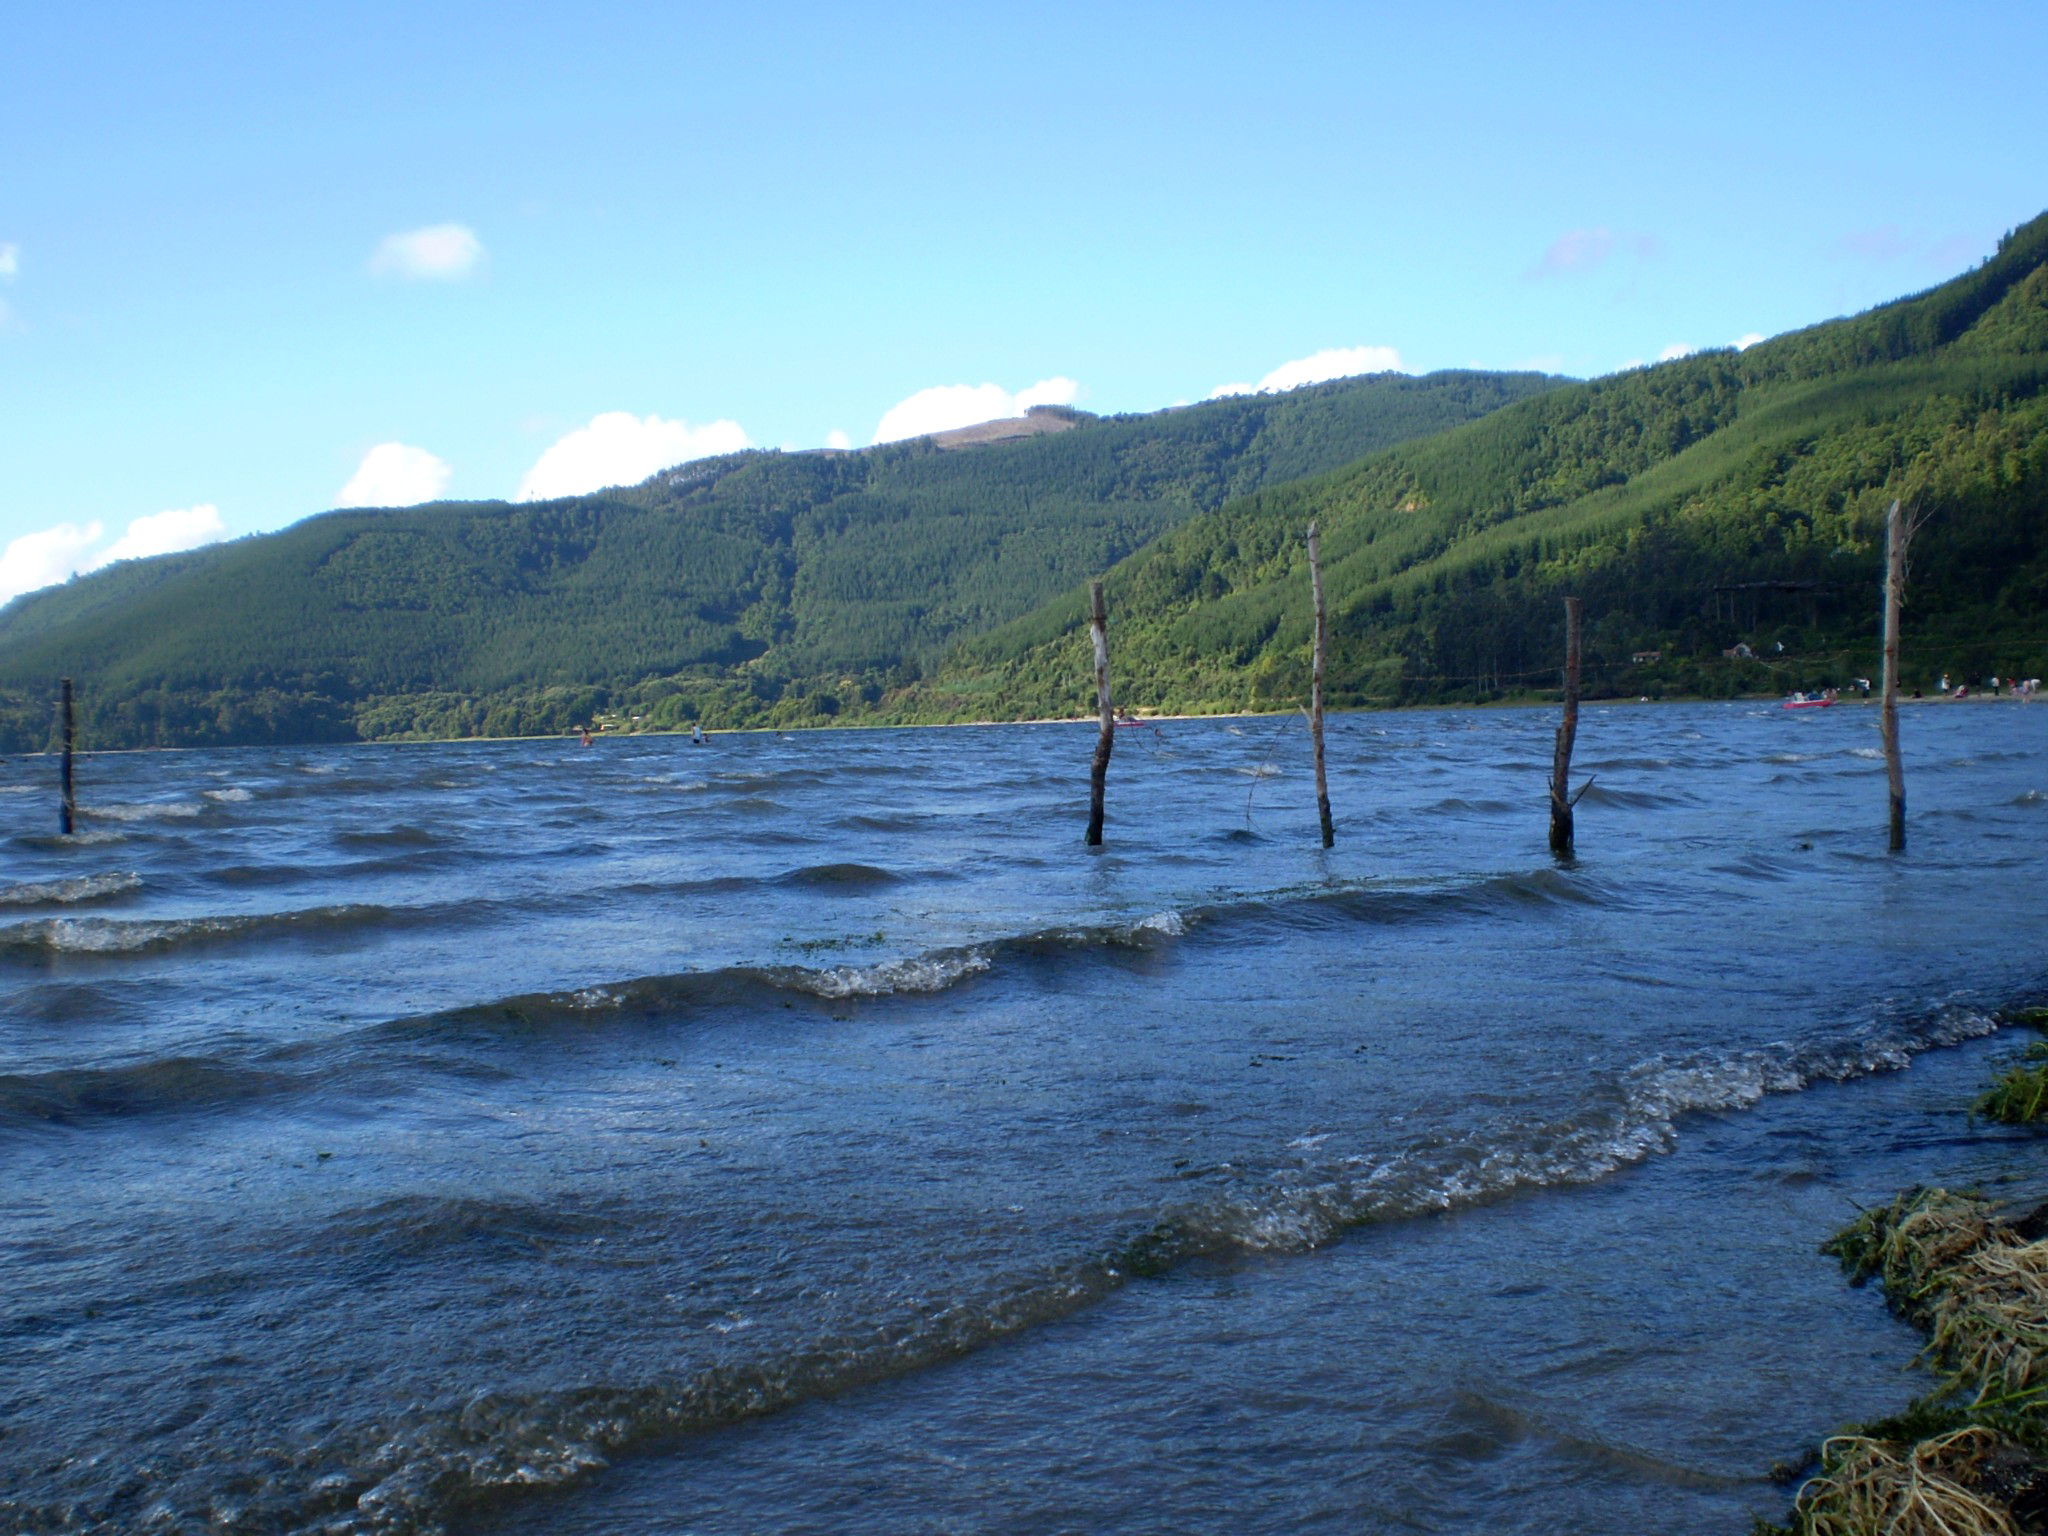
[
  {"x": 443, "y": 252},
  {"x": 946, "y": 406},
  {"x": 1330, "y": 363},
  {"x": 619, "y": 448},
  {"x": 165, "y": 533},
  {"x": 10, "y": 261},
  {"x": 1057, "y": 390},
  {"x": 394, "y": 475},
  {"x": 838, "y": 439},
  {"x": 51, "y": 555},
  {"x": 47, "y": 556},
  {"x": 1747, "y": 340},
  {"x": 1675, "y": 351}
]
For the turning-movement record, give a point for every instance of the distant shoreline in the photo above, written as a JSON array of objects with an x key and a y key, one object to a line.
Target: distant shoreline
[{"x": 940, "y": 725}]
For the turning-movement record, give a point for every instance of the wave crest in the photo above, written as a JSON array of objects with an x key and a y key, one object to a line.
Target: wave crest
[{"x": 37, "y": 893}]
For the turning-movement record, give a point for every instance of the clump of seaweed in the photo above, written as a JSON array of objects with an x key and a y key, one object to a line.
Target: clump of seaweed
[
  {"x": 1967, "y": 1459},
  {"x": 1989, "y": 1322},
  {"x": 2019, "y": 1096},
  {"x": 1974, "y": 1283},
  {"x": 1906, "y": 1245},
  {"x": 1927, "y": 1489},
  {"x": 1971, "y": 1457}
]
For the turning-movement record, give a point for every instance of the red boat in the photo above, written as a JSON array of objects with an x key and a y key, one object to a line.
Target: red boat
[{"x": 1809, "y": 701}]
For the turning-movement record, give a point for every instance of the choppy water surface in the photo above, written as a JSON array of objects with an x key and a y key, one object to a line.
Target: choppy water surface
[{"x": 806, "y": 1133}]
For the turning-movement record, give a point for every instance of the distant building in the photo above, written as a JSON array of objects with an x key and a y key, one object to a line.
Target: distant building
[{"x": 1640, "y": 657}]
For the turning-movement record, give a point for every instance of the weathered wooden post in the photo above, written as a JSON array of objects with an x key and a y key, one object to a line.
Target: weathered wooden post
[
  {"x": 1561, "y": 799},
  {"x": 1315, "y": 696},
  {"x": 1896, "y": 533},
  {"x": 1105, "y": 742},
  {"x": 68, "y": 812}
]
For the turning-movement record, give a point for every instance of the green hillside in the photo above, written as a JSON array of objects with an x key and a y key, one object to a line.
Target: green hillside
[
  {"x": 1726, "y": 499},
  {"x": 764, "y": 587}
]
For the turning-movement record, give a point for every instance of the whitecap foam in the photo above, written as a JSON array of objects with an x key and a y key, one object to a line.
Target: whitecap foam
[
  {"x": 1635, "y": 1117},
  {"x": 109, "y": 936},
  {"x": 233, "y": 795},
  {"x": 37, "y": 893},
  {"x": 918, "y": 973},
  {"x": 153, "y": 810},
  {"x": 114, "y": 936}
]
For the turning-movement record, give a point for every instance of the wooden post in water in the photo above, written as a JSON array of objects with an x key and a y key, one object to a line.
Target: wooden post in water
[
  {"x": 68, "y": 811},
  {"x": 1896, "y": 533},
  {"x": 1315, "y": 696},
  {"x": 1561, "y": 799},
  {"x": 1098, "y": 628}
]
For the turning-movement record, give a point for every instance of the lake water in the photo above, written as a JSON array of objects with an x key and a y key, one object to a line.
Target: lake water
[{"x": 806, "y": 1133}]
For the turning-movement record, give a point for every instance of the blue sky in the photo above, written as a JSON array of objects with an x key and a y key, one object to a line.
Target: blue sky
[{"x": 499, "y": 249}]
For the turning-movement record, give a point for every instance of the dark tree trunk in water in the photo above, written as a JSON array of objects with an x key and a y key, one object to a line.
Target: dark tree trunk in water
[
  {"x": 67, "y": 812},
  {"x": 1895, "y": 536},
  {"x": 1098, "y": 628},
  {"x": 1315, "y": 697},
  {"x": 1567, "y": 734}
]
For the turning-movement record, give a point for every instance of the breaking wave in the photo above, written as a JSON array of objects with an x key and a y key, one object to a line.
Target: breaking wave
[
  {"x": 152, "y": 810},
  {"x": 36, "y": 893},
  {"x": 127, "y": 936},
  {"x": 408, "y": 1475}
]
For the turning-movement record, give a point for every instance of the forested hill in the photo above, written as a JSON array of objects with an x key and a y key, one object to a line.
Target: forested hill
[
  {"x": 759, "y": 588},
  {"x": 1730, "y": 499}
]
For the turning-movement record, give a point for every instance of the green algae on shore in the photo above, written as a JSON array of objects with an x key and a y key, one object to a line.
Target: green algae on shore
[{"x": 2019, "y": 1095}]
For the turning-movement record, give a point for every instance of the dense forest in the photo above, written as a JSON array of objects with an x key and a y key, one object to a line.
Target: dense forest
[
  {"x": 758, "y": 588},
  {"x": 1721, "y": 516},
  {"x": 1729, "y": 502}
]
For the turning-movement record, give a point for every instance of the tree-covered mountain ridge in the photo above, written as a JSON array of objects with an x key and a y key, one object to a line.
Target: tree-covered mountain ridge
[
  {"x": 760, "y": 587},
  {"x": 1730, "y": 501}
]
